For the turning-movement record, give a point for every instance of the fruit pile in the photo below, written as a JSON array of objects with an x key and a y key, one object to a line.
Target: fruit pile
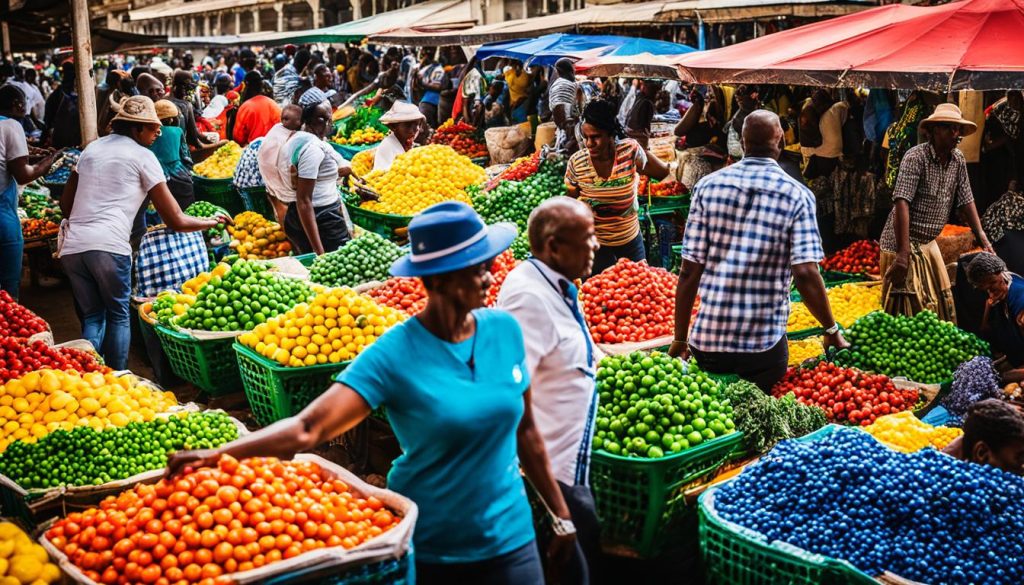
[
  {"x": 849, "y": 497},
  {"x": 950, "y": 230},
  {"x": 23, "y": 562},
  {"x": 845, "y": 394},
  {"x": 422, "y": 177},
  {"x": 404, "y": 294},
  {"x": 906, "y": 433},
  {"x": 860, "y": 257},
  {"x": 921, "y": 348},
  {"x": 247, "y": 295},
  {"x": 630, "y": 301},
  {"x": 975, "y": 380},
  {"x": 85, "y": 456},
  {"x": 19, "y": 357},
  {"x": 39, "y": 205},
  {"x": 652, "y": 405},
  {"x": 38, "y": 228},
  {"x": 801, "y": 350},
  {"x": 334, "y": 327},
  {"x": 362, "y": 127},
  {"x": 221, "y": 164},
  {"x": 362, "y": 163},
  {"x": 519, "y": 170},
  {"x": 194, "y": 284},
  {"x": 169, "y": 305},
  {"x": 254, "y": 236},
  {"x": 60, "y": 170},
  {"x": 18, "y": 321},
  {"x": 849, "y": 302},
  {"x": 514, "y": 200},
  {"x": 765, "y": 421},
  {"x": 503, "y": 264},
  {"x": 360, "y": 136},
  {"x": 661, "y": 188},
  {"x": 210, "y": 522},
  {"x": 464, "y": 138},
  {"x": 207, "y": 209},
  {"x": 44, "y": 401},
  {"x": 364, "y": 259}
]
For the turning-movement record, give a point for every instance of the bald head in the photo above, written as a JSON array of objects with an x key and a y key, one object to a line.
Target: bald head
[
  {"x": 561, "y": 232},
  {"x": 762, "y": 134},
  {"x": 150, "y": 86}
]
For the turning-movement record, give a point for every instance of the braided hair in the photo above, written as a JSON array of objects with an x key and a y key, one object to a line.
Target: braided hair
[{"x": 603, "y": 115}]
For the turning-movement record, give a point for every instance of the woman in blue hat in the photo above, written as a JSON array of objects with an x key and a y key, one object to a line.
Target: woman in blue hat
[{"x": 454, "y": 382}]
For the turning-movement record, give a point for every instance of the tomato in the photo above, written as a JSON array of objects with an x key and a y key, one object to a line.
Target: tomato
[{"x": 845, "y": 394}]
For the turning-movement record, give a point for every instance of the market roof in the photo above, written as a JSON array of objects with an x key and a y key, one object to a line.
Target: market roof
[
  {"x": 46, "y": 25},
  {"x": 547, "y": 49},
  {"x": 971, "y": 44},
  {"x": 716, "y": 11},
  {"x": 180, "y": 8}
]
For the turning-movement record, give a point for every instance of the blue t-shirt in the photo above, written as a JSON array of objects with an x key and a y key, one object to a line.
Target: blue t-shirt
[
  {"x": 1015, "y": 296},
  {"x": 457, "y": 430}
]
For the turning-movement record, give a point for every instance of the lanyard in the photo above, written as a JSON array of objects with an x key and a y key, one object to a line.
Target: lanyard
[{"x": 575, "y": 310}]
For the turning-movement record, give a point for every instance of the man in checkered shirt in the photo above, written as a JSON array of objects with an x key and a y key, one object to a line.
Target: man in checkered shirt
[{"x": 751, "y": 231}]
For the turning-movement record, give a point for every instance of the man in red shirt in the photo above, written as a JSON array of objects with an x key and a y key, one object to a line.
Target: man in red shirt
[{"x": 257, "y": 114}]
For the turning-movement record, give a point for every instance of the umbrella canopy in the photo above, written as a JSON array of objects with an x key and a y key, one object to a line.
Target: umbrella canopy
[
  {"x": 641, "y": 65},
  {"x": 971, "y": 44},
  {"x": 547, "y": 49}
]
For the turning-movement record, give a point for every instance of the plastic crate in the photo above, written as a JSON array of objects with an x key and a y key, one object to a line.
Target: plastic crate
[
  {"x": 209, "y": 364},
  {"x": 347, "y": 152},
  {"x": 276, "y": 392},
  {"x": 390, "y": 226},
  {"x": 255, "y": 199},
  {"x": 306, "y": 259},
  {"x": 641, "y": 502},
  {"x": 220, "y": 192},
  {"x": 387, "y": 572}
]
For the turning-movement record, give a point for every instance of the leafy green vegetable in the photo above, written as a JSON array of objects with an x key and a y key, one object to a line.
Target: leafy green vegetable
[
  {"x": 765, "y": 420},
  {"x": 363, "y": 118}
]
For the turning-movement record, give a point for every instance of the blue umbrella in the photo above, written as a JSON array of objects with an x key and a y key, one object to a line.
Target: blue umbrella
[{"x": 547, "y": 49}]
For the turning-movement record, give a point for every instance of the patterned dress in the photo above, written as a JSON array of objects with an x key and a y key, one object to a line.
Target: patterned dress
[{"x": 614, "y": 198}]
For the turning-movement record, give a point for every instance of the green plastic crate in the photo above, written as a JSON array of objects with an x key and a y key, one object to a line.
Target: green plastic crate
[
  {"x": 390, "y": 226},
  {"x": 347, "y": 152},
  {"x": 220, "y": 192},
  {"x": 276, "y": 392},
  {"x": 209, "y": 364},
  {"x": 387, "y": 572},
  {"x": 306, "y": 259},
  {"x": 642, "y": 502},
  {"x": 255, "y": 199}
]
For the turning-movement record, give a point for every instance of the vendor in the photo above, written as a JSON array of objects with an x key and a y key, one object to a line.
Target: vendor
[
  {"x": 604, "y": 175},
  {"x": 932, "y": 181},
  {"x": 171, "y": 149},
  {"x": 993, "y": 435},
  {"x": 1003, "y": 322},
  {"x": 463, "y": 416},
  {"x": 404, "y": 120}
]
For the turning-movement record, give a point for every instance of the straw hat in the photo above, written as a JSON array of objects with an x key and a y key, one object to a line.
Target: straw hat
[
  {"x": 950, "y": 114},
  {"x": 166, "y": 109},
  {"x": 402, "y": 112},
  {"x": 137, "y": 108}
]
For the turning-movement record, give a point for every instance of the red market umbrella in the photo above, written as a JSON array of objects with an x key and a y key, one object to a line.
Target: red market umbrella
[{"x": 971, "y": 44}]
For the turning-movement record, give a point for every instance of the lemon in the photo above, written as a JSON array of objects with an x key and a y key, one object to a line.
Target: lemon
[{"x": 25, "y": 568}]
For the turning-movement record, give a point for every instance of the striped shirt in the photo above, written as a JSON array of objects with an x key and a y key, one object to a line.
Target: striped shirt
[
  {"x": 613, "y": 199},
  {"x": 562, "y": 92},
  {"x": 748, "y": 225}
]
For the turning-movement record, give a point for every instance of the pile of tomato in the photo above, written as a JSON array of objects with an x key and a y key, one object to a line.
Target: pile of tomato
[
  {"x": 405, "y": 294},
  {"x": 210, "y": 522},
  {"x": 630, "y": 301},
  {"x": 18, "y": 321},
  {"x": 503, "y": 264},
  {"x": 667, "y": 189},
  {"x": 462, "y": 137},
  {"x": 19, "y": 357},
  {"x": 520, "y": 169},
  {"x": 860, "y": 257},
  {"x": 38, "y": 228},
  {"x": 846, "y": 395}
]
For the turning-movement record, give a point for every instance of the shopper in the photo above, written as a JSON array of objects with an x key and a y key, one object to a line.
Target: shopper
[
  {"x": 61, "y": 112},
  {"x": 430, "y": 79},
  {"x": 257, "y": 114},
  {"x": 604, "y": 175},
  {"x": 463, "y": 415},
  {"x": 563, "y": 100},
  {"x": 404, "y": 120},
  {"x": 519, "y": 82},
  {"x": 561, "y": 361},
  {"x": 993, "y": 435},
  {"x": 113, "y": 178},
  {"x": 315, "y": 221},
  {"x": 1002, "y": 324},
  {"x": 172, "y": 153},
  {"x": 638, "y": 122},
  {"x": 14, "y": 169},
  {"x": 932, "y": 182},
  {"x": 1005, "y": 215},
  {"x": 279, "y": 187},
  {"x": 750, "y": 232},
  {"x": 286, "y": 80}
]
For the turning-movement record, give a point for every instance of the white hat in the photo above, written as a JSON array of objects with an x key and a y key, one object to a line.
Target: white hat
[
  {"x": 137, "y": 108},
  {"x": 402, "y": 112},
  {"x": 950, "y": 114}
]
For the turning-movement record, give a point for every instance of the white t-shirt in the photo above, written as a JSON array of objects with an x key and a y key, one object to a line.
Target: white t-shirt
[
  {"x": 386, "y": 152},
  {"x": 114, "y": 175},
  {"x": 562, "y": 383},
  {"x": 34, "y": 102},
  {"x": 12, "y": 146},
  {"x": 278, "y": 186},
  {"x": 316, "y": 160}
]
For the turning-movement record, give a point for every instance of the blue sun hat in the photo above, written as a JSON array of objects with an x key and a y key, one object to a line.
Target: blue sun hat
[{"x": 450, "y": 236}]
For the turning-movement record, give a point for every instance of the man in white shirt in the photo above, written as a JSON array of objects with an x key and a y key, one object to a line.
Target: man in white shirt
[{"x": 561, "y": 358}]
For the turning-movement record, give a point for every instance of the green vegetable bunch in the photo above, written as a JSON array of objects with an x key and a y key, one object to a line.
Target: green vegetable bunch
[{"x": 765, "y": 420}]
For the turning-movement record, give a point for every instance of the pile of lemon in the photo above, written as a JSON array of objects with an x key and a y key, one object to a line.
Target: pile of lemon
[
  {"x": 192, "y": 285},
  {"x": 361, "y": 136},
  {"x": 222, "y": 163},
  {"x": 23, "y": 562},
  {"x": 906, "y": 433},
  {"x": 362, "y": 162},
  {"x": 334, "y": 327},
  {"x": 849, "y": 302},
  {"x": 44, "y": 401},
  {"x": 801, "y": 350},
  {"x": 422, "y": 177},
  {"x": 254, "y": 236}
]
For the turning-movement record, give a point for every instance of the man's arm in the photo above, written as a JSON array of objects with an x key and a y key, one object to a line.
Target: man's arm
[
  {"x": 686, "y": 295},
  {"x": 812, "y": 288}
]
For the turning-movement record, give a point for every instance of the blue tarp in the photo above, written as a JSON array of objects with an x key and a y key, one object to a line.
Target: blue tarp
[{"x": 547, "y": 49}]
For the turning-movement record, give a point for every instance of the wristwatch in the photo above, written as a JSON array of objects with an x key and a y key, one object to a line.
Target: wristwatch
[
  {"x": 833, "y": 329},
  {"x": 561, "y": 526}
]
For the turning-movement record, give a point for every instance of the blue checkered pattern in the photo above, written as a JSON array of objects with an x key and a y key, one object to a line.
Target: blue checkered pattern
[
  {"x": 748, "y": 224},
  {"x": 247, "y": 173},
  {"x": 167, "y": 259}
]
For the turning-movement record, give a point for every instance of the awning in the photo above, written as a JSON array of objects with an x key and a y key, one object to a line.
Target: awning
[
  {"x": 971, "y": 44},
  {"x": 642, "y": 66},
  {"x": 547, "y": 49},
  {"x": 719, "y": 11},
  {"x": 178, "y": 8},
  {"x": 45, "y": 25}
]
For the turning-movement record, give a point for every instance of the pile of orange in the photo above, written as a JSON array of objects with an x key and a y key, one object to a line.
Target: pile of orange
[{"x": 211, "y": 522}]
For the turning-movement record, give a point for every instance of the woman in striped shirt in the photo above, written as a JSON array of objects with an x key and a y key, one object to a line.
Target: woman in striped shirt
[{"x": 604, "y": 175}]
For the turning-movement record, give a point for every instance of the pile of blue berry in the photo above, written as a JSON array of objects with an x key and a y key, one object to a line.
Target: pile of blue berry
[
  {"x": 973, "y": 381},
  {"x": 923, "y": 516}
]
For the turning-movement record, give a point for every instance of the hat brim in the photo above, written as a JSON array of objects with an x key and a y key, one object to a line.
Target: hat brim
[
  {"x": 139, "y": 119},
  {"x": 967, "y": 126},
  {"x": 399, "y": 119},
  {"x": 498, "y": 239}
]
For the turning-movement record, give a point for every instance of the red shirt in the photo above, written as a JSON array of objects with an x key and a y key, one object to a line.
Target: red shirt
[{"x": 255, "y": 118}]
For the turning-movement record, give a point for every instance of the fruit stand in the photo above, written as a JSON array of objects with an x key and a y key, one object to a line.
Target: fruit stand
[{"x": 212, "y": 178}]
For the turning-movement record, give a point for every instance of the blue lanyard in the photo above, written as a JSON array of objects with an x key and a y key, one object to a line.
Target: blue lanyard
[{"x": 575, "y": 310}]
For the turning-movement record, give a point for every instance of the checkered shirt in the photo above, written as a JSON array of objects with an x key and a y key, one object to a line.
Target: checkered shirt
[
  {"x": 749, "y": 224},
  {"x": 167, "y": 259},
  {"x": 931, "y": 189},
  {"x": 247, "y": 173}
]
